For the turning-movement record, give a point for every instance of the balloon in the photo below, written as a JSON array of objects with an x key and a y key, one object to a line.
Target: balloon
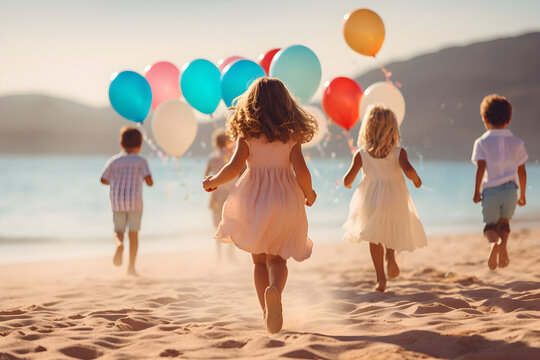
[
  {"x": 174, "y": 127},
  {"x": 341, "y": 101},
  {"x": 163, "y": 79},
  {"x": 323, "y": 126},
  {"x": 266, "y": 59},
  {"x": 299, "y": 69},
  {"x": 237, "y": 77},
  {"x": 363, "y": 30},
  {"x": 384, "y": 93},
  {"x": 130, "y": 95},
  {"x": 222, "y": 63},
  {"x": 201, "y": 85}
]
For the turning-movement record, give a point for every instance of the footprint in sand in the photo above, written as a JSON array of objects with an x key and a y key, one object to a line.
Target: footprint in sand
[
  {"x": 81, "y": 352},
  {"x": 170, "y": 353}
]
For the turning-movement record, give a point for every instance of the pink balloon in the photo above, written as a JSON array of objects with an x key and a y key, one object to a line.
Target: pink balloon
[
  {"x": 222, "y": 64},
  {"x": 163, "y": 78}
]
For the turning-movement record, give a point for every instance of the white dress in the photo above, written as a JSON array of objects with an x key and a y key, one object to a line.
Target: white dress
[{"x": 381, "y": 209}]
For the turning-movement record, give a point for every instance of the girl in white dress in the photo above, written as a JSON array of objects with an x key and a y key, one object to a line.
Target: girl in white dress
[{"x": 381, "y": 209}]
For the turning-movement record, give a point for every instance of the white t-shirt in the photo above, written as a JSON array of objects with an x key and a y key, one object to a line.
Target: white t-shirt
[
  {"x": 503, "y": 153},
  {"x": 125, "y": 173}
]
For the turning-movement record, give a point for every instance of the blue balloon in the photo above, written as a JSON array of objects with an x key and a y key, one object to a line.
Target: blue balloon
[
  {"x": 131, "y": 96},
  {"x": 237, "y": 77},
  {"x": 201, "y": 85},
  {"x": 299, "y": 69}
]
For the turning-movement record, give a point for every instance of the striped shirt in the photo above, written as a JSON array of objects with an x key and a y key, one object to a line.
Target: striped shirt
[{"x": 125, "y": 173}]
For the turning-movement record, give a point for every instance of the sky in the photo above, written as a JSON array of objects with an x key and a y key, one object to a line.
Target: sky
[{"x": 70, "y": 48}]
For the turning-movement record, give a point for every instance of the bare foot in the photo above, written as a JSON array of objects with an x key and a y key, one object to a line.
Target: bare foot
[
  {"x": 392, "y": 269},
  {"x": 381, "y": 285},
  {"x": 274, "y": 315},
  {"x": 504, "y": 260},
  {"x": 132, "y": 272},
  {"x": 492, "y": 260},
  {"x": 117, "y": 260}
]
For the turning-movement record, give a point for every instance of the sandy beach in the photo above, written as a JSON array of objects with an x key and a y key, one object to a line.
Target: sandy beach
[{"x": 445, "y": 304}]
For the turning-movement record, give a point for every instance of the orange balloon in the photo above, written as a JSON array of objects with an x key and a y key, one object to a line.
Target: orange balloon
[{"x": 363, "y": 30}]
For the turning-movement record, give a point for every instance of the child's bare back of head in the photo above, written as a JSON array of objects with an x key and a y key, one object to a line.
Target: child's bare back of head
[
  {"x": 496, "y": 111},
  {"x": 267, "y": 109},
  {"x": 130, "y": 139}
]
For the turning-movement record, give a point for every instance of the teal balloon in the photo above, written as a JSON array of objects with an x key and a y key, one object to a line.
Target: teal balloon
[
  {"x": 237, "y": 77},
  {"x": 299, "y": 69},
  {"x": 130, "y": 95},
  {"x": 201, "y": 85}
]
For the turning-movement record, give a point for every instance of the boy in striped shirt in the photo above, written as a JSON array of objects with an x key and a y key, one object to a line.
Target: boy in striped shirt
[{"x": 125, "y": 173}]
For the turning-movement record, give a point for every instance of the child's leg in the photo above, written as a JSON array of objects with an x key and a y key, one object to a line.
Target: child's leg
[
  {"x": 119, "y": 240},
  {"x": 277, "y": 273},
  {"x": 260, "y": 277},
  {"x": 392, "y": 268},
  {"x": 133, "y": 246},
  {"x": 120, "y": 222},
  {"x": 504, "y": 233},
  {"x": 492, "y": 236},
  {"x": 377, "y": 255}
]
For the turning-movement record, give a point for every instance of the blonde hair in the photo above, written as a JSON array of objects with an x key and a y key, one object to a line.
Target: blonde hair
[
  {"x": 379, "y": 132},
  {"x": 268, "y": 109}
]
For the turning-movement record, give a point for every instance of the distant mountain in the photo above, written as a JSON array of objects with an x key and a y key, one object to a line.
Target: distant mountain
[{"x": 442, "y": 91}]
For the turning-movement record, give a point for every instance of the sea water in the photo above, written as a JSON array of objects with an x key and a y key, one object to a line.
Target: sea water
[{"x": 55, "y": 207}]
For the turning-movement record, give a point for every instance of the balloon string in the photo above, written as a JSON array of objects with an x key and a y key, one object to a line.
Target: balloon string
[
  {"x": 151, "y": 144},
  {"x": 350, "y": 141},
  {"x": 387, "y": 73}
]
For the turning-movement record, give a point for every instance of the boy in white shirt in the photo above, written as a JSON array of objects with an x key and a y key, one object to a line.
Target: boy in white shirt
[
  {"x": 125, "y": 172},
  {"x": 500, "y": 158}
]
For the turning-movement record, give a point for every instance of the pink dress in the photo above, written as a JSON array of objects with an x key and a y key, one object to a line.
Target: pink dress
[{"x": 265, "y": 211}]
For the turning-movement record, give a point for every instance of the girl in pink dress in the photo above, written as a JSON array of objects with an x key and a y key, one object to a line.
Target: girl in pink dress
[{"x": 264, "y": 213}]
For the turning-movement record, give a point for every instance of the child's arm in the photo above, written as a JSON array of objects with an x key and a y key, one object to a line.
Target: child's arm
[
  {"x": 231, "y": 169},
  {"x": 480, "y": 170},
  {"x": 302, "y": 174},
  {"x": 522, "y": 175},
  {"x": 148, "y": 180},
  {"x": 207, "y": 171},
  {"x": 355, "y": 167},
  {"x": 408, "y": 169}
]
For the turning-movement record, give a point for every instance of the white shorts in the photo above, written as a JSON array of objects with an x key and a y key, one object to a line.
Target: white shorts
[{"x": 130, "y": 218}]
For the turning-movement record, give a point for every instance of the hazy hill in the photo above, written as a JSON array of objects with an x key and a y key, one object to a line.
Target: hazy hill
[{"x": 442, "y": 90}]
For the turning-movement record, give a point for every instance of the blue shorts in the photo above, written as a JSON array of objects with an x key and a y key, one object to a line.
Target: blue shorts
[
  {"x": 499, "y": 202},
  {"x": 130, "y": 218}
]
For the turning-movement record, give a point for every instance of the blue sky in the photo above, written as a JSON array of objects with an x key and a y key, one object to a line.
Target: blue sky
[{"x": 70, "y": 48}]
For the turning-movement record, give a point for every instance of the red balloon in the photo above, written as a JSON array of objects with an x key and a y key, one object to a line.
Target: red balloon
[
  {"x": 341, "y": 101},
  {"x": 266, "y": 59}
]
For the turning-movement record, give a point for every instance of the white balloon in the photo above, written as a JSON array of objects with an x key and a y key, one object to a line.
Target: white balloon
[
  {"x": 386, "y": 94},
  {"x": 174, "y": 127},
  {"x": 323, "y": 125}
]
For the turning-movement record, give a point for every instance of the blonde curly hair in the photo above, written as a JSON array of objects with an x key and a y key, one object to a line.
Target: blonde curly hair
[
  {"x": 379, "y": 132},
  {"x": 267, "y": 109}
]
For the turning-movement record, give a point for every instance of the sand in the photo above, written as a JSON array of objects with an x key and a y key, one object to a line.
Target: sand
[{"x": 445, "y": 304}]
